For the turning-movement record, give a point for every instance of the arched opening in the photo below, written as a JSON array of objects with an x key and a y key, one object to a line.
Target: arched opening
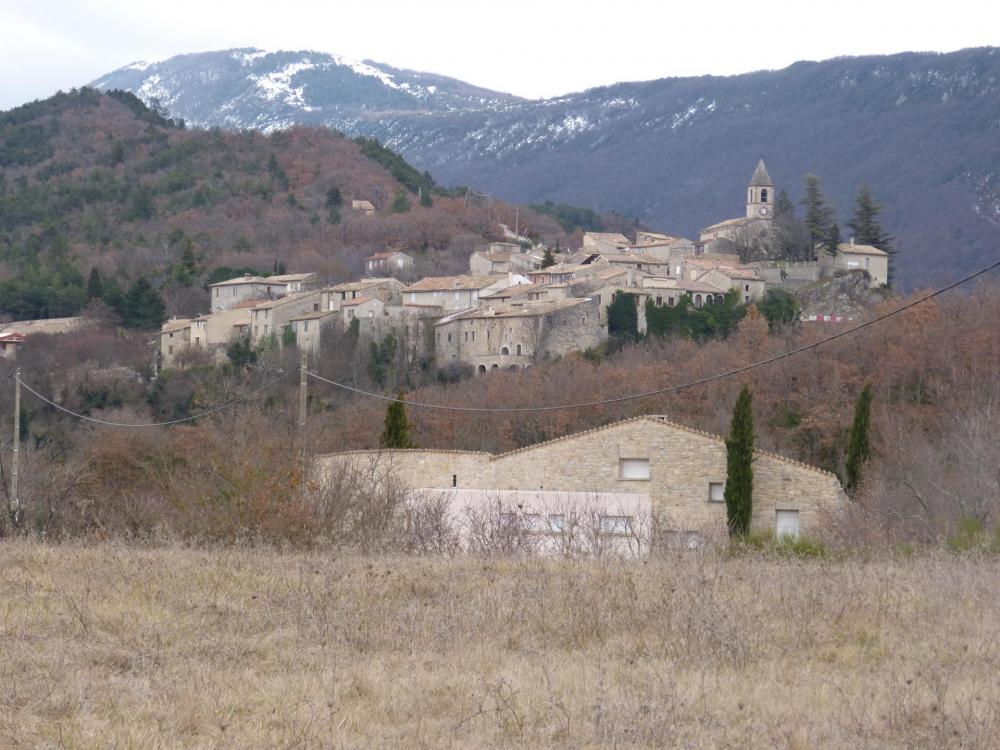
[
  {"x": 763, "y": 195},
  {"x": 709, "y": 299},
  {"x": 482, "y": 369},
  {"x": 697, "y": 300},
  {"x": 494, "y": 368},
  {"x": 504, "y": 350},
  {"x": 512, "y": 368},
  {"x": 518, "y": 350}
]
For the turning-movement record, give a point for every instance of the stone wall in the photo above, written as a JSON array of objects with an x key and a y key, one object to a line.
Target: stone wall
[{"x": 682, "y": 464}]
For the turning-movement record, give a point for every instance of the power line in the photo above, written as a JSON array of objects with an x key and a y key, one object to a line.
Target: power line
[
  {"x": 670, "y": 389},
  {"x": 106, "y": 423}
]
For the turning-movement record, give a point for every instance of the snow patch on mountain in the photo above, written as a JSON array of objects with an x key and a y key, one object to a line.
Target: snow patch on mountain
[{"x": 277, "y": 85}]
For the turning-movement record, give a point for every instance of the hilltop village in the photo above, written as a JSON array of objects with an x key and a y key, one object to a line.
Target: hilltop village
[{"x": 519, "y": 303}]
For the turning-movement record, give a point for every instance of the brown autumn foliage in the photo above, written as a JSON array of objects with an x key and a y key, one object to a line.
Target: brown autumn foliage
[{"x": 935, "y": 370}]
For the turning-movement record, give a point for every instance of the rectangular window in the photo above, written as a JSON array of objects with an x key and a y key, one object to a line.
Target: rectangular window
[
  {"x": 534, "y": 522},
  {"x": 305, "y": 325},
  {"x": 716, "y": 492},
  {"x": 557, "y": 523},
  {"x": 197, "y": 340},
  {"x": 473, "y": 335},
  {"x": 633, "y": 468},
  {"x": 454, "y": 480},
  {"x": 616, "y": 524},
  {"x": 466, "y": 335},
  {"x": 868, "y": 262},
  {"x": 449, "y": 338},
  {"x": 170, "y": 349},
  {"x": 786, "y": 524}
]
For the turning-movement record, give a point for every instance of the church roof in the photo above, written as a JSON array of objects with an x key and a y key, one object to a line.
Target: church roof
[{"x": 760, "y": 176}]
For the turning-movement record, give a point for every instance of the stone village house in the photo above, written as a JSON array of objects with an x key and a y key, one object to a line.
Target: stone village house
[
  {"x": 517, "y": 335},
  {"x": 677, "y": 472}
]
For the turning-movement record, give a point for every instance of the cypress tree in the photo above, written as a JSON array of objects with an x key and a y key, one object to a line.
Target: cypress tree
[
  {"x": 396, "y": 433},
  {"x": 548, "y": 259},
  {"x": 859, "y": 448},
  {"x": 818, "y": 215},
  {"x": 739, "y": 466}
]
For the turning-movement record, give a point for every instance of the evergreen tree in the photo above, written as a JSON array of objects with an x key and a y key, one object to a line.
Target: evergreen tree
[
  {"x": 142, "y": 204},
  {"x": 142, "y": 307},
  {"x": 623, "y": 316},
  {"x": 867, "y": 228},
  {"x": 548, "y": 259},
  {"x": 400, "y": 203},
  {"x": 333, "y": 215},
  {"x": 241, "y": 353},
  {"x": 396, "y": 432},
  {"x": 818, "y": 215},
  {"x": 739, "y": 466},
  {"x": 833, "y": 239},
  {"x": 780, "y": 308},
  {"x": 425, "y": 198},
  {"x": 95, "y": 287},
  {"x": 859, "y": 448},
  {"x": 783, "y": 206},
  {"x": 333, "y": 198}
]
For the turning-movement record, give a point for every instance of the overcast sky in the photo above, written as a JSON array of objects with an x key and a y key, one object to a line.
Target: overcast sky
[{"x": 532, "y": 48}]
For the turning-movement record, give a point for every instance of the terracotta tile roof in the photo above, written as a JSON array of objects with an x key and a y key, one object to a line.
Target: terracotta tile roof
[
  {"x": 314, "y": 315},
  {"x": 359, "y": 301},
  {"x": 847, "y": 247},
  {"x": 454, "y": 283},
  {"x": 655, "y": 418},
  {"x": 175, "y": 324},
  {"x": 357, "y": 286}
]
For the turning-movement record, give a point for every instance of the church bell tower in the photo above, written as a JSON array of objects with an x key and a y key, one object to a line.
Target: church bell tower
[{"x": 760, "y": 194}]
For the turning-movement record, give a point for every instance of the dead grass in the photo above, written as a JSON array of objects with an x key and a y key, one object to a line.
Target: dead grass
[{"x": 118, "y": 646}]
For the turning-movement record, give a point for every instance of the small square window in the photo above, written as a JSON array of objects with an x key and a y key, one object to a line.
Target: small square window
[{"x": 716, "y": 492}]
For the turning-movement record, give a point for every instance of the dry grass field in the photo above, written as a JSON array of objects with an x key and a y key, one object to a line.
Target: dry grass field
[{"x": 165, "y": 647}]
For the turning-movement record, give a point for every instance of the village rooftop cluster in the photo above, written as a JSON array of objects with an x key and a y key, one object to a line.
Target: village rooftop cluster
[{"x": 509, "y": 312}]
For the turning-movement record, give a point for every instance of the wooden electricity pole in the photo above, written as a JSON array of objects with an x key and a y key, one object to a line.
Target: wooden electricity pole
[
  {"x": 15, "y": 502},
  {"x": 303, "y": 363}
]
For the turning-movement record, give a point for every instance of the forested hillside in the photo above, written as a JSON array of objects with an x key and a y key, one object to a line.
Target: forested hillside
[
  {"x": 919, "y": 128},
  {"x": 100, "y": 181}
]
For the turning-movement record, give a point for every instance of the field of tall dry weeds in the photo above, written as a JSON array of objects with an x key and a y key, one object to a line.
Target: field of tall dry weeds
[{"x": 167, "y": 647}]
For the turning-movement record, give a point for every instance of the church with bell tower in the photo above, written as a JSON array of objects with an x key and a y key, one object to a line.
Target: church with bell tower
[
  {"x": 760, "y": 210},
  {"x": 760, "y": 194}
]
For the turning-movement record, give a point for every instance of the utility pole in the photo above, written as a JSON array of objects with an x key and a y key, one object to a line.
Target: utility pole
[
  {"x": 15, "y": 502},
  {"x": 303, "y": 363}
]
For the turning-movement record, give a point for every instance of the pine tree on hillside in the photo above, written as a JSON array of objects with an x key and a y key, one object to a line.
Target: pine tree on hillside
[
  {"x": 867, "y": 228},
  {"x": 95, "y": 286},
  {"x": 396, "y": 432},
  {"x": 334, "y": 198},
  {"x": 400, "y": 203},
  {"x": 818, "y": 215},
  {"x": 142, "y": 306},
  {"x": 548, "y": 259},
  {"x": 738, "y": 492},
  {"x": 859, "y": 448}
]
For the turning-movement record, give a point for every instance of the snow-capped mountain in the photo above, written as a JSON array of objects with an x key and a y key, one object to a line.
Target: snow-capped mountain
[
  {"x": 920, "y": 128},
  {"x": 251, "y": 88}
]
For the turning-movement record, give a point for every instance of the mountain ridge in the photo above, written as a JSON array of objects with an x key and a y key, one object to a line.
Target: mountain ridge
[{"x": 676, "y": 153}]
